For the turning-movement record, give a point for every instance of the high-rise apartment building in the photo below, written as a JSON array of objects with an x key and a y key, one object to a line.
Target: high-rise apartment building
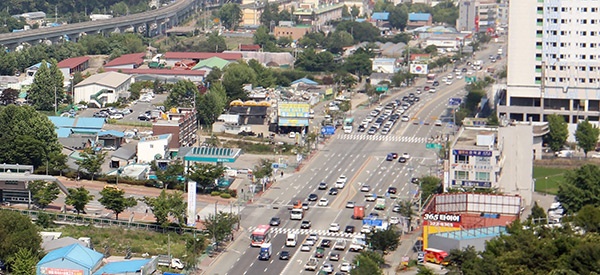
[{"x": 553, "y": 61}]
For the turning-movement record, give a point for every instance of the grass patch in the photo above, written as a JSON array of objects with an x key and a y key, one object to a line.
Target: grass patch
[
  {"x": 547, "y": 178},
  {"x": 119, "y": 239}
]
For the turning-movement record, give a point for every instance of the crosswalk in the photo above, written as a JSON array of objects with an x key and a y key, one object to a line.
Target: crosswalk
[
  {"x": 298, "y": 231},
  {"x": 388, "y": 138}
]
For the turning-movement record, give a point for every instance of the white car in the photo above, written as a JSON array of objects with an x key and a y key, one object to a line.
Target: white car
[
  {"x": 405, "y": 118},
  {"x": 366, "y": 229},
  {"x": 305, "y": 248},
  {"x": 406, "y": 155},
  {"x": 292, "y": 135},
  {"x": 365, "y": 188},
  {"x": 459, "y": 76},
  {"x": 323, "y": 202},
  {"x": 369, "y": 119},
  {"x": 313, "y": 237},
  {"x": 334, "y": 227},
  {"x": 328, "y": 268},
  {"x": 370, "y": 197},
  {"x": 450, "y": 76},
  {"x": 309, "y": 243},
  {"x": 394, "y": 220},
  {"x": 432, "y": 90},
  {"x": 345, "y": 267},
  {"x": 350, "y": 204},
  {"x": 342, "y": 178},
  {"x": 116, "y": 116}
]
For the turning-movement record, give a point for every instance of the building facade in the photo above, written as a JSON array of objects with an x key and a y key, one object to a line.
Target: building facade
[
  {"x": 319, "y": 15},
  {"x": 153, "y": 148},
  {"x": 553, "y": 61},
  {"x": 182, "y": 124}
]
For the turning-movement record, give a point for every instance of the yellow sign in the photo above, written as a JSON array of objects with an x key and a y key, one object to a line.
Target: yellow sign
[
  {"x": 329, "y": 91},
  {"x": 294, "y": 110}
]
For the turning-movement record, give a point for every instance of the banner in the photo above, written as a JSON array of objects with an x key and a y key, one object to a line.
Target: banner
[{"x": 418, "y": 69}]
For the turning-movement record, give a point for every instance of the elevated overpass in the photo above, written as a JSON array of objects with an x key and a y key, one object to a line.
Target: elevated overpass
[{"x": 150, "y": 23}]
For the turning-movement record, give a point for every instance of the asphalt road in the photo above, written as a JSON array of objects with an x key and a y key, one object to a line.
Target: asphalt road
[{"x": 361, "y": 158}]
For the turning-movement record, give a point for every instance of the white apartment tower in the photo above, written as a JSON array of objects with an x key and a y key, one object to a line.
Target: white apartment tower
[{"x": 553, "y": 61}]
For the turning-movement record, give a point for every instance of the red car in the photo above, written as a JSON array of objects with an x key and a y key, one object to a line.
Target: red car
[{"x": 392, "y": 190}]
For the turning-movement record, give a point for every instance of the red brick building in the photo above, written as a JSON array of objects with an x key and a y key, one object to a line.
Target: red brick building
[{"x": 182, "y": 124}]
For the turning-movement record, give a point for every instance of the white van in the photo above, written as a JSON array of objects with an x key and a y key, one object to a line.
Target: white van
[{"x": 291, "y": 239}]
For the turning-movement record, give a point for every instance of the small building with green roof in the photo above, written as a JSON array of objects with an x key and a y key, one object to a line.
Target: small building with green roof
[{"x": 208, "y": 64}]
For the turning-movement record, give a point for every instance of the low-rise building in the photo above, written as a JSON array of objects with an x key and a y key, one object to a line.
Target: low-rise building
[
  {"x": 163, "y": 75},
  {"x": 153, "y": 148},
  {"x": 294, "y": 32},
  {"x": 126, "y": 61},
  {"x": 173, "y": 57},
  {"x": 416, "y": 20},
  {"x": 319, "y": 15},
  {"x": 70, "y": 66},
  {"x": 385, "y": 65},
  {"x": 182, "y": 124},
  {"x": 102, "y": 88}
]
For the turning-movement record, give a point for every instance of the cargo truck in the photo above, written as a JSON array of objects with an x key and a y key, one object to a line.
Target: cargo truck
[
  {"x": 359, "y": 212},
  {"x": 358, "y": 243},
  {"x": 166, "y": 260},
  {"x": 380, "y": 204},
  {"x": 265, "y": 252}
]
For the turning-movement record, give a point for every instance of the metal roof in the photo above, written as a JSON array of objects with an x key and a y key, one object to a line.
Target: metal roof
[
  {"x": 124, "y": 267},
  {"x": 211, "y": 63},
  {"x": 76, "y": 253},
  {"x": 127, "y": 59},
  {"x": 418, "y": 16},
  {"x": 158, "y": 72},
  {"x": 201, "y": 55},
  {"x": 111, "y": 132},
  {"x": 108, "y": 79},
  {"x": 381, "y": 16},
  {"x": 73, "y": 62},
  {"x": 475, "y": 233},
  {"x": 212, "y": 154},
  {"x": 77, "y": 122}
]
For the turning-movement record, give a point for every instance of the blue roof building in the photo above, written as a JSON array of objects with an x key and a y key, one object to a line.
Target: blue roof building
[
  {"x": 380, "y": 16},
  {"x": 72, "y": 259},
  {"x": 65, "y": 126},
  {"x": 418, "y": 16},
  {"x": 305, "y": 81},
  {"x": 124, "y": 267}
]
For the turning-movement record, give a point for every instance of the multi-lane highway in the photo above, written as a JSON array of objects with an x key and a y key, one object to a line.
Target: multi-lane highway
[{"x": 362, "y": 159}]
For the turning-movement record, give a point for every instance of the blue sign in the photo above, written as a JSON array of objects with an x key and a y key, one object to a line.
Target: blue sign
[
  {"x": 453, "y": 101},
  {"x": 328, "y": 130},
  {"x": 475, "y": 153},
  {"x": 373, "y": 222}
]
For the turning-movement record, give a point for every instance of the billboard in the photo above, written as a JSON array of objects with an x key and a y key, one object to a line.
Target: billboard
[
  {"x": 293, "y": 122},
  {"x": 418, "y": 69},
  {"x": 294, "y": 110}
]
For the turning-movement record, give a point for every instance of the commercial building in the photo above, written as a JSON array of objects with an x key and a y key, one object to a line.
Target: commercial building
[
  {"x": 153, "y": 148},
  {"x": 385, "y": 65},
  {"x": 72, "y": 259},
  {"x": 70, "y": 66},
  {"x": 294, "y": 32},
  {"x": 318, "y": 15},
  {"x": 416, "y": 20},
  {"x": 126, "y": 61},
  {"x": 103, "y": 88},
  {"x": 553, "y": 60},
  {"x": 480, "y": 15},
  {"x": 490, "y": 157},
  {"x": 182, "y": 124}
]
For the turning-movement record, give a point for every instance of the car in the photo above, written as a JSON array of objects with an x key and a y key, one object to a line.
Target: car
[
  {"x": 334, "y": 257},
  {"x": 365, "y": 188},
  {"x": 394, "y": 220},
  {"x": 305, "y": 248},
  {"x": 374, "y": 113},
  {"x": 417, "y": 99},
  {"x": 432, "y": 90},
  {"x": 389, "y": 157},
  {"x": 333, "y": 191},
  {"x": 322, "y": 186},
  {"x": 320, "y": 252},
  {"x": 377, "y": 125},
  {"x": 392, "y": 190},
  {"x": 361, "y": 128},
  {"x": 414, "y": 180},
  {"x": 284, "y": 255},
  {"x": 305, "y": 205},
  {"x": 450, "y": 76},
  {"x": 292, "y": 135},
  {"x": 309, "y": 242},
  {"x": 328, "y": 268},
  {"x": 459, "y": 76},
  {"x": 313, "y": 237},
  {"x": 116, "y": 116},
  {"x": 438, "y": 123},
  {"x": 406, "y": 155},
  {"x": 370, "y": 197},
  {"x": 323, "y": 202},
  {"x": 372, "y": 131},
  {"x": 345, "y": 267},
  {"x": 349, "y": 229},
  {"x": 334, "y": 227},
  {"x": 366, "y": 229},
  {"x": 405, "y": 118},
  {"x": 373, "y": 215},
  {"x": 275, "y": 221},
  {"x": 463, "y": 70},
  {"x": 436, "y": 83},
  {"x": 305, "y": 224},
  {"x": 350, "y": 204},
  {"x": 342, "y": 178},
  {"x": 418, "y": 91},
  {"x": 426, "y": 88},
  {"x": 313, "y": 197},
  {"x": 326, "y": 243},
  {"x": 397, "y": 208},
  {"x": 394, "y": 155},
  {"x": 385, "y": 131},
  {"x": 369, "y": 119},
  {"x": 402, "y": 159}
]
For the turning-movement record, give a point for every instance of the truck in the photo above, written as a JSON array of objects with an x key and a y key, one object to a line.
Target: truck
[
  {"x": 265, "y": 252},
  {"x": 359, "y": 212},
  {"x": 312, "y": 264},
  {"x": 358, "y": 243},
  {"x": 380, "y": 204},
  {"x": 348, "y": 124},
  {"x": 436, "y": 256},
  {"x": 167, "y": 260},
  {"x": 340, "y": 244},
  {"x": 297, "y": 213}
]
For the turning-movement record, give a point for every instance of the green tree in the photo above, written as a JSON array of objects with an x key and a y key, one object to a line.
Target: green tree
[
  {"x": 384, "y": 240},
  {"x": 17, "y": 232},
  {"x": 361, "y": 31},
  {"x": 44, "y": 220},
  {"x": 263, "y": 169},
  {"x": 165, "y": 205},
  {"x": 236, "y": 75},
  {"x": 114, "y": 199},
  {"x": 398, "y": 18},
  {"x": 407, "y": 211},
  {"x": 313, "y": 40},
  {"x": 345, "y": 12},
  {"x": 214, "y": 43},
  {"x": 423, "y": 270},
  {"x": 205, "y": 174},
  {"x": 588, "y": 219},
  {"x": 230, "y": 15},
  {"x": 311, "y": 61},
  {"x": 366, "y": 263},
  {"x": 43, "y": 193},
  {"x": 182, "y": 95},
  {"x": 587, "y": 136},
  {"x": 211, "y": 104},
  {"x": 23, "y": 262},
  {"x": 214, "y": 76},
  {"x": 220, "y": 226},
  {"x": 336, "y": 41},
  {"x": 27, "y": 136},
  {"x": 47, "y": 87},
  {"x": 91, "y": 161},
  {"x": 430, "y": 185},
  {"x": 266, "y": 40},
  {"x": 264, "y": 76},
  {"x": 580, "y": 188},
  {"x": 78, "y": 198},
  {"x": 169, "y": 176},
  {"x": 445, "y": 12},
  {"x": 558, "y": 132},
  {"x": 465, "y": 259},
  {"x": 538, "y": 215},
  {"x": 9, "y": 96},
  {"x": 354, "y": 11},
  {"x": 359, "y": 64}
]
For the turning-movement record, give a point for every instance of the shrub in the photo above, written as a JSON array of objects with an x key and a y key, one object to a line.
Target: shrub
[
  {"x": 215, "y": 193},
  {"x": 225, "y": 196},
  {"x": 232, "y": 193}
]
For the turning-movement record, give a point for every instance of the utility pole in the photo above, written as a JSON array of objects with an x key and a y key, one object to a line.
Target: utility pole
[{"x": 55, "y": 102}]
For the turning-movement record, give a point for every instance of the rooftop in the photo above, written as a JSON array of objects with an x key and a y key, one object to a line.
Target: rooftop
[
  {"x": 77, "y": 122},
  {"x": 77, "y": 253},
  {"x": 211, "y": 63},
  {"x": 124, "y": 267},
  {"x": 380, "y": 16},
  {"x": 418, "y": 16},
  {"x": 201, "y": 55},
  {"x": 158, "y": 72},
  {"x": 468, "y": 137},
  {"x": 319, "y": 10},
  {"x": 73, "y": 62},
  {"x": 108, "y": 79},
  {"x": 127, "y": 59},
  {"x": 153, "y": 138},
  {"x": 476, "y": 233}
]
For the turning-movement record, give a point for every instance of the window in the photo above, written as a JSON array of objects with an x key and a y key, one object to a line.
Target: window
[
  {"x": 461, "y": 159},
  {"x": 461, "y": 175},
  {"x": 482, "y": 176},
  {"x": 151, "y": 146},
  {"x": 11, "y": 182},
  {"x": 482, "y": 160}
]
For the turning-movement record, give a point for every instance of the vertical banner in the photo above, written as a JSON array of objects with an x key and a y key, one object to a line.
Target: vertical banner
[{"x": 191, "y": 203}]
